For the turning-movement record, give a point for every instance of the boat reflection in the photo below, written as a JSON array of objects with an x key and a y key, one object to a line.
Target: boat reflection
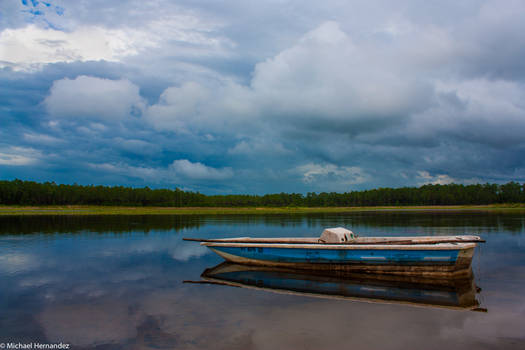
[{"x": 420, "y": 291}]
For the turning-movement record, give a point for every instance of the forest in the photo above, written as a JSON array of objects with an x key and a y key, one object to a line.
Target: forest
[{"x": 19, "y": 192}]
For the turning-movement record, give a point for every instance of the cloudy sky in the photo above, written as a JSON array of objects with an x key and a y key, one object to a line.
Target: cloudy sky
[{"x": 262, "y": 96}]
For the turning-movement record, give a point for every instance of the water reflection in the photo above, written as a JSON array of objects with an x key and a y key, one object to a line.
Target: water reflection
[
  {"x": 115, "y": 282},
  {"x": 430, "y": 222},
  {"x": 417, "y": 291}
]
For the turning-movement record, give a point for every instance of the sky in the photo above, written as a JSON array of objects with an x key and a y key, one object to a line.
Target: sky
[{"x": 226, "y": 97}]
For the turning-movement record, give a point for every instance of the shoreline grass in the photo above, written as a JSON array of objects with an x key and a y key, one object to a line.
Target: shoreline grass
[{"x": 116, "y": 210}]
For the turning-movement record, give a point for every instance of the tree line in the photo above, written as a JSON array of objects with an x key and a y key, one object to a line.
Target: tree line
[{"x": 18, "y": 192}]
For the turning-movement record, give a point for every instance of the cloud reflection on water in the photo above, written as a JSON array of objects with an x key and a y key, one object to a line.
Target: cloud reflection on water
[{"x": 97, "y": 288}]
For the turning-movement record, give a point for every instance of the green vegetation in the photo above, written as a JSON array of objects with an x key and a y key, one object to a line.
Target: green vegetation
[
  {"x": 77, "y": 210},
  {"x": 28, "y": 193}
]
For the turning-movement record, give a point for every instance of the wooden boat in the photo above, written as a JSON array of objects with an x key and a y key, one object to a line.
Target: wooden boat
[
  {"x": 339, "y": 249},
  {"x": 415, "y": 291}
]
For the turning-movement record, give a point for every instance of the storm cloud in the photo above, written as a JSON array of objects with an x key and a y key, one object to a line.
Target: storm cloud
[{"x": 251, "y": 97}]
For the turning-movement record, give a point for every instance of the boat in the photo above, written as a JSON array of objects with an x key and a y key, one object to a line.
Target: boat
[
  {"x": 455, "y": 293},
  {"x": 339, "y": 249}
]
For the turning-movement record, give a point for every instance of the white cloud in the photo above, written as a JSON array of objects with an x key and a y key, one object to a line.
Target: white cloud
[
  {"x": 324, "y": 79},
  {"x": 327, "y": 76},
  {"x": 258, "y": 146},
  {"x": 145, "y": 173},
  {"x": 439, "y": 179},
  {"x": 199, "y": 171},
  {"x": 482, "y": 111},
  {"x": 90, "y": 129},
  {"x": 487, "y": 109},
  {"x": 442, "y": 179},
  {"x": 19, "y": 156},
  {"x": 179, "y": 171},
  {"x": 223, "y": 106},
  {"x": 41, "y": 138},
  {"x": 137, "y": 146},
  {"x": 178, "y": 106},
  {"x": 189, "y": 34},
  {"x": 312, "y": 172},
  {"x": 329, "y": 81},
  {"x": 93, "y": 98},
  {"x": 30, "y": 47}
]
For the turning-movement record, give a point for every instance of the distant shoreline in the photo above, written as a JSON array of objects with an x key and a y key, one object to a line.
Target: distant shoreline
[{"x": 118, "y": 210}]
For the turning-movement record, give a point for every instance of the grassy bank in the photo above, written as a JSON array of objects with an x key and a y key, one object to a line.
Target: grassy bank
[{"x": 113, "y": 210}]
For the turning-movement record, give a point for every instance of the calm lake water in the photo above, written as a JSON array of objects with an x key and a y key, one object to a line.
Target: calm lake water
[{"x": 117, "y": 283}]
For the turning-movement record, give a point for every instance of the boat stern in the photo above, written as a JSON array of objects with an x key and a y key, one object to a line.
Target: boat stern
[{"x": 464, "y": 259}]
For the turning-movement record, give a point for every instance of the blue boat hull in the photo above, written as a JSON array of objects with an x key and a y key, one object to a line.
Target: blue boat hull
[{"x": 405, "y": 261}]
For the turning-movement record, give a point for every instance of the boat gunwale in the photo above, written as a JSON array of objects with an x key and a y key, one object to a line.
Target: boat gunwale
[
  {"x": 346, "y": 246},
  {"x": 365, "y": 239}
]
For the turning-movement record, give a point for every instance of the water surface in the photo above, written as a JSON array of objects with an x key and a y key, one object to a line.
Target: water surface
[{"x": 115, "y": 282}]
